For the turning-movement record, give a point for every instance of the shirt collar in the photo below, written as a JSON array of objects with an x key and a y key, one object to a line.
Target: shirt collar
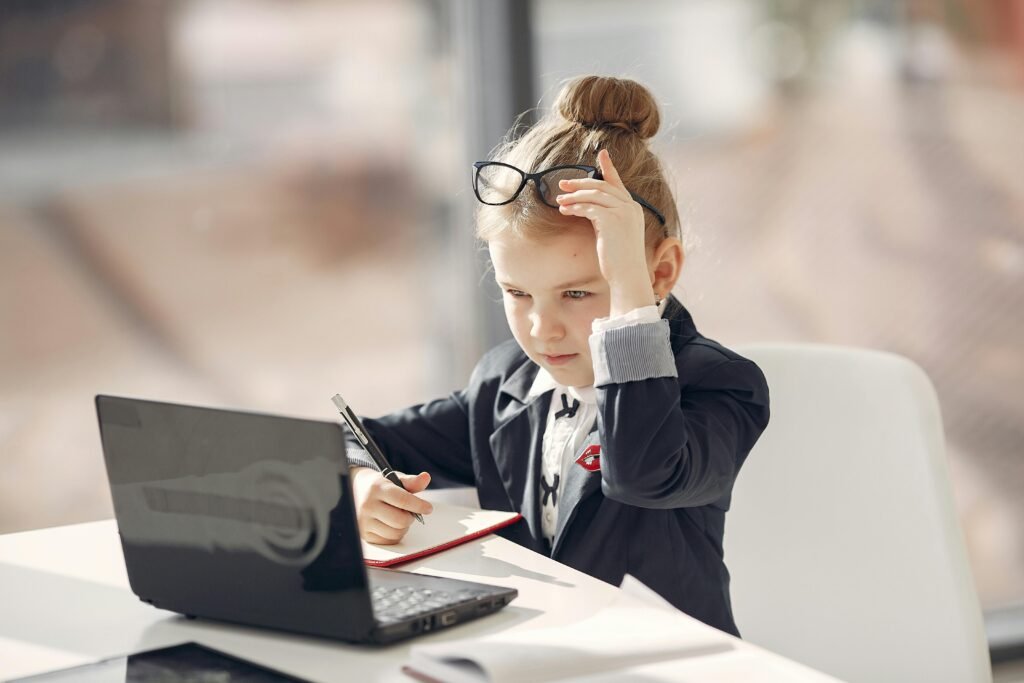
[{"x": 544, "y": 382}]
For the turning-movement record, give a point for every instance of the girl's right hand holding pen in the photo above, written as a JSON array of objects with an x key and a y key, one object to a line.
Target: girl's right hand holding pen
[{"x": 383, "y": 510}]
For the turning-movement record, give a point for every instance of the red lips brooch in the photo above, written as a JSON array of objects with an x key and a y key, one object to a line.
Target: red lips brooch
[{"x": 591, "y": 458}]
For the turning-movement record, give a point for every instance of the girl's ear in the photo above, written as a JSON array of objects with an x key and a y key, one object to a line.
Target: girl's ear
[{"x": 665, "y": 265}]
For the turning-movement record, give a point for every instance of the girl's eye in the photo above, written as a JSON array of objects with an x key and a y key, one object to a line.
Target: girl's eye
[
  {"x": 516, "y": 293},
  {"x": 577, "y": 294}
]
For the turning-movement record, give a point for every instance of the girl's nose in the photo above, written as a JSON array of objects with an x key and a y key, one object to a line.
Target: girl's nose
[{"x": 545, "y": 326}]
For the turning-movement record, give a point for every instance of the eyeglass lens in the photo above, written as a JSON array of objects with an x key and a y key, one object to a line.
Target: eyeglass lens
[
  {"x": 548, "y": 187},
  {"x": 497, "y": 184}
]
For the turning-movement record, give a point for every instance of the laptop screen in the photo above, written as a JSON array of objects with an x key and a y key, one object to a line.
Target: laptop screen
[{"x": 234, "y": 515}]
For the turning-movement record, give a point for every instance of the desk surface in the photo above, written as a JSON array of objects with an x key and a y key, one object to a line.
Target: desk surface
[{"x": 65, "y": 600}]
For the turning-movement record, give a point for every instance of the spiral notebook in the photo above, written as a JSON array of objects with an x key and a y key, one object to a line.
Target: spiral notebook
[{"x": 446, "y": 527}]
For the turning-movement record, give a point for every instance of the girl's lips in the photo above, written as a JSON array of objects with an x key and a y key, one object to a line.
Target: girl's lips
[{"x": 559, "y": 360}]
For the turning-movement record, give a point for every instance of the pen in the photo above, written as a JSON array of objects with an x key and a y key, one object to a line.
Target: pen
[{"x": 370, "y": 445}]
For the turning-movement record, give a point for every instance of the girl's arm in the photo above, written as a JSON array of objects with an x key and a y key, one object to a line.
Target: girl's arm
[
  {"x": 429, "y": 439},
  {"x": 432, "y": 437},
  {"x": 667, "y": 443}
]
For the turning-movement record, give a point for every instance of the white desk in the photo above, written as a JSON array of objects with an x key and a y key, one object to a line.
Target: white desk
[{"x": 65, "y": 600}]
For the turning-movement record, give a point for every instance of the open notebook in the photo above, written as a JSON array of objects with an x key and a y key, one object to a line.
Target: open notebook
[
  {"x": 447, "y": 526},
  {"x": 638, "y": 637},
  {"x": 626, "y": 634}
]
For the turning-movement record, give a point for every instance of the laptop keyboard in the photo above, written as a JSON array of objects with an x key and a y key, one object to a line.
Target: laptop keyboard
[{"x": 397, "y": 603}]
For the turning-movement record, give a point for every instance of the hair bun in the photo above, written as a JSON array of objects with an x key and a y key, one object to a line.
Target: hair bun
[{"x": 605, "y": 102}]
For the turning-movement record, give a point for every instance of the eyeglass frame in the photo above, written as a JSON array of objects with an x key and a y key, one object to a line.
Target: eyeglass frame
[{"x": 527, "y": 177}]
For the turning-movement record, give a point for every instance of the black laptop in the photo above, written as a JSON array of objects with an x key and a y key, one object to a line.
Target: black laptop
[{"x": 248, "y": 518}]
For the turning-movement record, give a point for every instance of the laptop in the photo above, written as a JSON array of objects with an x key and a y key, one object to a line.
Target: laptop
[{"x": 249, "y": 518}]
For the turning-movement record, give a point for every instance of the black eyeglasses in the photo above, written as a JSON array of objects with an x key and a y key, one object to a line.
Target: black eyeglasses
[{"x": 496, "y": 183}]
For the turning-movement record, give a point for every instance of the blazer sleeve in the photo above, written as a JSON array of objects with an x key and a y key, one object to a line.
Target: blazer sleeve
[
  {"x": 667, "y": 443},
  {"x": 431, "y": 437}
]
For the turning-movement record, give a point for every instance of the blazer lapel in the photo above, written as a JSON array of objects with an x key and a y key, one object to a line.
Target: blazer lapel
[
  {"x": 580, "y": 484},
  {"x": 516, "y": 443}
]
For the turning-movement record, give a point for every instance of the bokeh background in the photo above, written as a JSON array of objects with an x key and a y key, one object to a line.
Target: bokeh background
[{"x": 258, "y": 203}]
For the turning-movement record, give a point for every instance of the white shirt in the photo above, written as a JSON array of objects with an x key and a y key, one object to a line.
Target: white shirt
[{"x": 570, "y": 419}]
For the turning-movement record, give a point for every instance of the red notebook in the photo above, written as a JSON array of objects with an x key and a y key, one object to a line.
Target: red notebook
[{"x": 446, "y": 527}]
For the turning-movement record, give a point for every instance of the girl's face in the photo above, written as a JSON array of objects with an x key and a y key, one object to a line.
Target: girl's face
[{"x": 553, "y": 289}]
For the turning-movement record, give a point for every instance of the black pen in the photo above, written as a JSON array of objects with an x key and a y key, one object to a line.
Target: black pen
[{"x": 370, "y": 445}]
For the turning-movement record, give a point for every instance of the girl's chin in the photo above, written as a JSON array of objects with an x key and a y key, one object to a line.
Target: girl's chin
[{"x": 571, "y": 377}]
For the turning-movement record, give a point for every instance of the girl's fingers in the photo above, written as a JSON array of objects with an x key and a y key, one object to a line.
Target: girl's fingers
[
  {"x": 382, "y": 530},
  {"x": 590, "y": 196},
  {"x": 415, "y": 483},
  {"x": 392, "y": 516},
  {"x": 611, "y": 175},
  {"x": 593, "y": 184},
  {"x": 401, "y": 498},
  {"x": 584, "y": 210},
  {"x": 375, "y": 539}
]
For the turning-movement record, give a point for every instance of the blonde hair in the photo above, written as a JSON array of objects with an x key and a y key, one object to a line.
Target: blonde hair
[{"x": 591, "y": 113}]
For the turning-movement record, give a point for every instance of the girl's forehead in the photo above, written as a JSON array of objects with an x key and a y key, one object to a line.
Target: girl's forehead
[{"x": 570, "y": 255}]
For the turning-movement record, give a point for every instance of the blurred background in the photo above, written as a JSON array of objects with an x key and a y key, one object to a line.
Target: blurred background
[{"x": 258, "y": 203}]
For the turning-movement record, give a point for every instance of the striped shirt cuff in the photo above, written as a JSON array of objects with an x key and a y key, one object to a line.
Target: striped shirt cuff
[
  {"x": 357, "y": 457},
  {"x": 632, "y": 353},
  {"x": 645, "y": 314}
]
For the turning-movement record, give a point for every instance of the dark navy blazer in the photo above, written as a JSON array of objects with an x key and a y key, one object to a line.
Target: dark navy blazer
[{"x": 671, "y": 448}]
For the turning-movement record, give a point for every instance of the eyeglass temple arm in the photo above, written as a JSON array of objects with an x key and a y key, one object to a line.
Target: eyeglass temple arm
[
  {"x": 636, "y": 198},
  {"x": 642, "y": 202}
]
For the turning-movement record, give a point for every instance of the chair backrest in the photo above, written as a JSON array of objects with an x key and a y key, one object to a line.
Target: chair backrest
[{"x": 842, "y": 540}]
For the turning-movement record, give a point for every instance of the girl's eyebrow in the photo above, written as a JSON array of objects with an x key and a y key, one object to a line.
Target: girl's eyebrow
[
  {"x": 576, "y": 283},
  {"x": 565, "y": 285}
]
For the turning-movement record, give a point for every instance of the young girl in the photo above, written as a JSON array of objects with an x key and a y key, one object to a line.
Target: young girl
[{"x": 610, "y": 423}]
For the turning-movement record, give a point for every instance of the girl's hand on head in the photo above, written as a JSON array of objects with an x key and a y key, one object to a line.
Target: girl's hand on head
[
  {"x": 619, "y": 226},
  {"x": 384, "y": 511}
]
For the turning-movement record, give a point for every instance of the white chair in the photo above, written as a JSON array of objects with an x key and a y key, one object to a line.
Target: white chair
[{"x": 842, "y": 539}]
